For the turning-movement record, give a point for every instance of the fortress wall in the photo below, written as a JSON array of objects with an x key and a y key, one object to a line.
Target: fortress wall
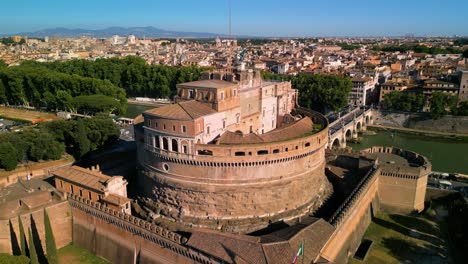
[
  {"x": 402, "y": 193},
  {"x": 232, "y": 172},
  {"x": 123, "y": 238},
  {"x": 61, "y": 221},
  {"x": 292, "y": 196},
  {"x": 352, "y": 220},
  {"x": 290, "y": 185}
]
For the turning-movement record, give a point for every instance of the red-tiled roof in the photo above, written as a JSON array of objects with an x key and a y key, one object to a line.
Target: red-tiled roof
[
  {"x": 187, "y": 110},
  {"x": 296, "y": 129},
  {"x": 208, "y": 84},
  {"x": 92, "y": 179}
]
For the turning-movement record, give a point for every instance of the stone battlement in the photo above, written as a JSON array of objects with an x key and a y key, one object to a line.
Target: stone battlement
[
  {"x": 138, "y": 227},
  {"x": 360, "y": 189}
]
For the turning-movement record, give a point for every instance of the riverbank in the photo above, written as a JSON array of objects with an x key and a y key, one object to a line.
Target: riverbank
[
  {"x": 427, "y": 133},
  {"x": 422, "y": 121},
  {"x": 447, "y": 154}
]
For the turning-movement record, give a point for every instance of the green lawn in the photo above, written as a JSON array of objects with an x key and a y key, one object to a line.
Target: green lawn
[
  {"x": 73, "y": 254},
  {"x": 407, "y": 239}
]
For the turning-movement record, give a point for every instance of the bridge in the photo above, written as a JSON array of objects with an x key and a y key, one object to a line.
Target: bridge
[{"x": 346, "y": 124}]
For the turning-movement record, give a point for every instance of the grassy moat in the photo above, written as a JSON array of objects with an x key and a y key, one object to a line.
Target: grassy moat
[
  {"x": 423, "y": 238},
  {"x": 72, "y": 254}
]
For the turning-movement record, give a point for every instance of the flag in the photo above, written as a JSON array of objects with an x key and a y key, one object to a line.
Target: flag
[{"x": 300, "y": 252}]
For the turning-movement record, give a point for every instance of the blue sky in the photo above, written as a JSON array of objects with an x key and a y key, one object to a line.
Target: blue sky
[{"x": 249, "y": 17}]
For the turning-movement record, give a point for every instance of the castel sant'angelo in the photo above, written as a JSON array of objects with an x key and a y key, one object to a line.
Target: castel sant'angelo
[
  {"x": 234, "y": 153},
  {"x": 234, "y": 171}
]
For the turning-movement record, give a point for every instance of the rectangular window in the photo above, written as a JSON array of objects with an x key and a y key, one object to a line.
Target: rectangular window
[
  {"x": 173, "y": 128},
  {"x": 222, "y": 96},
  {"x": 191, "y": 94},
  {"x": 156, "y": 124},
  {"x": 208, "y": 129},
  {"x": 184, "y": 129},
  {"x": 89, "y": 195},
  {"x": 224, "y": 123},
  {"x": 71, "y": 189},
  {"x": 185, "y": 149},
  {"x": 235, "y": 92},
  {"x": 164, "y": 126}
]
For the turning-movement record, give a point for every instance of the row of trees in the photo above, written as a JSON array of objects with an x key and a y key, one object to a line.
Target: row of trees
[
  {"x": 407, "y": 102},
  {"x": 42, "y": 87},
  {"x": 52, "y": 139},
  {"x": 320, "y": 92},
  {"x": 420, "y": 49},
  {"x": 29, "y": 253},
  {"x": 440, "y": 104},
  {"x": 130, "y": 73}
]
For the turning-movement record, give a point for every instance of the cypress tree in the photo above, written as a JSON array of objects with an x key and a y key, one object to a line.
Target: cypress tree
[
  {"x": 51, "y": 248},
  {"x": 22, "y": 237},
  {"x": 32, "y": 249}
]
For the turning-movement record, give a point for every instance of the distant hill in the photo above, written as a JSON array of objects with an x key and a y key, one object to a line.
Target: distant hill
[{"x": 150, "y": 32}]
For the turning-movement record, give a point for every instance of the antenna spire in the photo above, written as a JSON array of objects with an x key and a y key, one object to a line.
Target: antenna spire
[{"x": 230, "y": 18}]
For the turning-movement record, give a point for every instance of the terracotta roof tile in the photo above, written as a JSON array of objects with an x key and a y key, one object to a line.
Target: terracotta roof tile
[
  {"x": 208, "y": 84},
  {"x": 92, "y": 179},
  {"x": 296, "y": 129},
  {"x": 230, "y": 248},
  {"x": 188, "y": 110}
]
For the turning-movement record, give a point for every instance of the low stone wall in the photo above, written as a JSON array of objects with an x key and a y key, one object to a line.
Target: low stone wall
[
  {"x": 21, "y": 173},
  {"x": 122, "y": 238},
  {"x": 352, "y": 219},
  {"x": 61, "y": 221}
]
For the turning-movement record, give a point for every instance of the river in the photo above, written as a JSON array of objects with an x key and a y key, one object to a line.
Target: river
[
  {"x": 446, "y": 155},
  {"x": 133, "y": 110}
]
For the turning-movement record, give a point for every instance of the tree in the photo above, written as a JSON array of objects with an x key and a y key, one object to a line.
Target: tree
[
  {"x": 322, "y": 92},
  {"x": 465, "y": 53},
  {"x": 45, "y": 147},
  {"x": 8, "y": 156},
  {"x": 51, "y": 248},
  {"x": 80, "y": 142},
  {"x": 32, "y": 249},
  {"x": 24, "y": 247},
  {"x": 462, "y": 109},
  {"x": 93, "y": 104},
  {"x": 441, "y": 103},
  {"x": 407, "y": 102},
  {"x": 9, "y": 259}
]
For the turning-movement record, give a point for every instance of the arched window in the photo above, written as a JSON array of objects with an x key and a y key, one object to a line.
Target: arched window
[
  {"x": 175, "y": 145},
  {"x": 157, "y": 145},
  {"x": 165, "y": 144}
]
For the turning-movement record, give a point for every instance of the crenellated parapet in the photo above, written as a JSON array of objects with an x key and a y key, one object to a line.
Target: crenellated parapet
[
  {"x": 138, "y": 227},
  {"x": 361, "y": 189}
]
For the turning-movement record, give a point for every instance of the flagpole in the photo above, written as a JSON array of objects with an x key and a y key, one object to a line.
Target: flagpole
[{"x": 303, "y": 251}]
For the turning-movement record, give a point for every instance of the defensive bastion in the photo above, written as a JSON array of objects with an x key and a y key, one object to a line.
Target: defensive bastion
[{"x": 238, "y": 187}]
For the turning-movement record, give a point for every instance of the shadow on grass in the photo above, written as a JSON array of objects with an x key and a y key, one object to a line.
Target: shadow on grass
[
  {"x": 407, "y": 231},
  {"x": 415, "y": 223},
  {"x": 405, "y": 250}
]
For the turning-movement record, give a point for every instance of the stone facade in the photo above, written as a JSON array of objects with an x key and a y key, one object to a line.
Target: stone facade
[
  {"x": 402, "y": 187},
  {"x": 233, "y": 154}
]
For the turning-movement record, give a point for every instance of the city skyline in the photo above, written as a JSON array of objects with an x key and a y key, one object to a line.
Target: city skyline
[{"x": 259, "y": 18}]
